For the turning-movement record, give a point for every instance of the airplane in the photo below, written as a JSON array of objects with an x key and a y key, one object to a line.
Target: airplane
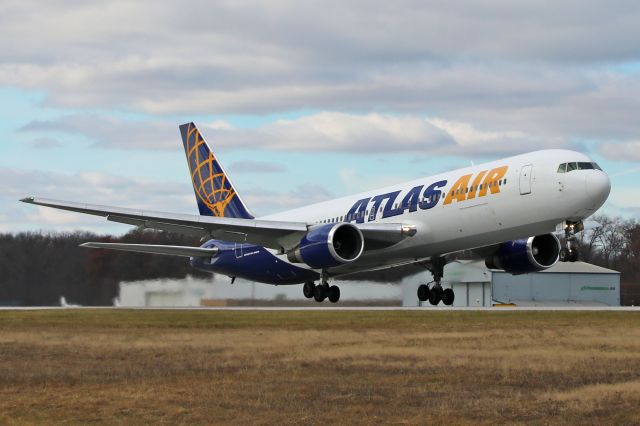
[{"x": 504, "y": 211}]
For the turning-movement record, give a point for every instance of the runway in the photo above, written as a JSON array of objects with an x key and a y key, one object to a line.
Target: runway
[{"x": 331, "y": 308}]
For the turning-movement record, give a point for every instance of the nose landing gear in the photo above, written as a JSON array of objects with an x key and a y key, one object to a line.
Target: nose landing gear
[
  {"x": 436, "y": 293},
  {"x": 569, "y": 253}
]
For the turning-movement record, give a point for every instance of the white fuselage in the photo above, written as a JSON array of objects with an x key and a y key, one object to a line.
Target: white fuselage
[{"x": 481, "y": 205}]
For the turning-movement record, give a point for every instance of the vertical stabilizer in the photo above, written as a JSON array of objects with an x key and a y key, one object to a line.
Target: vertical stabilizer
[{"x": 215, "y": 194}]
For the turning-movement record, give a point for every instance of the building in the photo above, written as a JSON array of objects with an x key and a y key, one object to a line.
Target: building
[
  {"x": 565, "y": 283},
  {"x": 218, "y": 291}
]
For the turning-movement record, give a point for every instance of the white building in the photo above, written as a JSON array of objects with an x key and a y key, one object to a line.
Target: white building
[
  {"x": 193, "y": 291},
  {"x": 565, "y": 283}
]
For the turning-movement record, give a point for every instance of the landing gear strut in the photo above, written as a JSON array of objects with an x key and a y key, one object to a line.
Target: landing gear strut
[
  {"x": 436, "y": 293},
  {"x": 321, "y": 291},
  {"x": 569, "y": 253}
]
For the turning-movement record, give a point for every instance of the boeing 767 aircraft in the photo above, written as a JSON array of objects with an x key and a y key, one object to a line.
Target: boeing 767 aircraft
[{"x": 505, "y": 211}]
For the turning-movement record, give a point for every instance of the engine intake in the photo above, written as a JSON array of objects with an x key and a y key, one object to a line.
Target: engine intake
[
  {"x": 527, "y": 255},
  {"x": 329, "y": 245}
]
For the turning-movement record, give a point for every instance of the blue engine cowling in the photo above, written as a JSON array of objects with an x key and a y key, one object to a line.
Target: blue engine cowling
[
  {"x": 329, "y": 245},
  {"x": 526, "y": 255}
]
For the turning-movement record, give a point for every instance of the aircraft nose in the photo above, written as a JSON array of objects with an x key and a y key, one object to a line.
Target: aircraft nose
[{"x": 598, "y": 186}]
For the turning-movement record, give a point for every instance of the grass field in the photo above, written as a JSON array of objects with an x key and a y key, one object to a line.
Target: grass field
[{"x": 123, "y": 366}]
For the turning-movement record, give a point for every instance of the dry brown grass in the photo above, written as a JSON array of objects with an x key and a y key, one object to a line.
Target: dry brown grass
[{"x": 88, "y": 366}]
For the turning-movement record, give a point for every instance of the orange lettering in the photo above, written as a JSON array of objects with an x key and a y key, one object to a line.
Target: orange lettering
[
  {"x": 493, "y": 176},
  {"x": 458, "y": 187},
  {"x": 474, "y": 185}
]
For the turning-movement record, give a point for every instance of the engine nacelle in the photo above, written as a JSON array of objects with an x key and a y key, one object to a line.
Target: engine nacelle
[
  {"x": 526, "y": 255},
  {"x": 329, "y": 245}
]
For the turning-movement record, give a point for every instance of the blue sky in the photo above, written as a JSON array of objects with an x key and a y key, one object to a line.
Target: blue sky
[{"x": 303, "y": 102}]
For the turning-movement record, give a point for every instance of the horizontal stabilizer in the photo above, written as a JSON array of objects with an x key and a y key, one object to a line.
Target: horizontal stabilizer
[{"x": 157, "y": 249}]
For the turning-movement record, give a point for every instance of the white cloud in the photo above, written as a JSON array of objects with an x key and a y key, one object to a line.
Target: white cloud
[
  {"x": 621, "y": 151},
  {"x": 519, "y": 65},
  {"x": 323, "y": 131},
  {"x": 249, "y": 166}
]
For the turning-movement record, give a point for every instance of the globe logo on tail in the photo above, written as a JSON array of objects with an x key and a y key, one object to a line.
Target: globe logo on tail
[{"x": 209, "y": 181}]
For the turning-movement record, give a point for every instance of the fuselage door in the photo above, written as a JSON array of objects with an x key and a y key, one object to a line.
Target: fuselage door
[
  {"x": 238, "y": 250},
  {"x": 525, "y": 179}
]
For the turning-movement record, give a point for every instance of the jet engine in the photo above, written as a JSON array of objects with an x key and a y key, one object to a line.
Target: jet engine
[
  {"x": 527, "y": 255},
  {"x": 329, "y": 245}
]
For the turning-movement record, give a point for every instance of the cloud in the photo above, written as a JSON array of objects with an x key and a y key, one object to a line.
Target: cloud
[
  {"x": 621, "y": 151},
  {"x": 541, "y": 70},
  {"x": 270, "y": 201},
  {"x": 324, "y": 131},
  {"x": 44, "y": 143},
  {"x": 248, "y": 166},
  {"x": 112, "y": 132},
  {"x": 89, "y": 187}
]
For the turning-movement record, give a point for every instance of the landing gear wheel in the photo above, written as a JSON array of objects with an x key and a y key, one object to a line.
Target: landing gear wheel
[
  {"x": 448, "y": 296},
  {"x": 423, "y": 292},
  {"x": 319, "y": 293},
  {"x": 435, "y": 295},
  {"x": 573, "y": 255},
  {"x": 308, "y": 289},
  {"x": 334, "y": 294},
  {"x": 564, "y": 255}
]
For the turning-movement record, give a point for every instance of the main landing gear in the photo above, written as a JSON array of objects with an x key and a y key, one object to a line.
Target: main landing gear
[
  {"x": 569, "y": 253},
  {"x": 321, "y": 291},
  {"x": 436, "y": 293}
]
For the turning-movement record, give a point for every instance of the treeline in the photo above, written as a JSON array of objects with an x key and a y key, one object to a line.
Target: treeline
[
  {"x": 615, "y": 244},
  {"x": 36, "y": 269}
]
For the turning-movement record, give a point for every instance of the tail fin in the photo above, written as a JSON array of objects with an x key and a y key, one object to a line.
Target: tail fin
[{"x": 215, "y": 194}]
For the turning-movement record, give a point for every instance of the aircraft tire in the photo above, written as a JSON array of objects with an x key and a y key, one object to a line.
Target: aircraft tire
[
  {"x": 308, "y": 289},
  {"x": 564, "y": 255},
  {"x": 319, "y": 293},
  {"x": 423, "y": 292},
  {"x": 334, "y": 294},
  {"x": 435, "y": 295},
  {"x": 448, "y": 296},
  {"x": 574, "y": 256}
]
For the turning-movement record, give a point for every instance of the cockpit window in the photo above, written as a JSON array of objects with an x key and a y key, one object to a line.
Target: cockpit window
[
  {"x": 569, "y": 167},
  {"x": 585, "y": 166}
]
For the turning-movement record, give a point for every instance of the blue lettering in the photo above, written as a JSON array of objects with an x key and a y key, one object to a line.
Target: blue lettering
[
  {"x": 432, "y": 195},
  {"x": 377, "y": 200},
  {"x": 357, "y": 211},
  {"x": 411, "y": 200}
]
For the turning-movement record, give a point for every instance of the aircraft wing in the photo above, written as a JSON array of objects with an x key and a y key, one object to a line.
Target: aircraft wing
[{"x": 279, "y": 235}]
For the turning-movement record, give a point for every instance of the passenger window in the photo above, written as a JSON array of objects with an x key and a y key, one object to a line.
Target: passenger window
[
  {"x": 505, "y": 181},
  {"x": 562, "y": 168},
  {"x": 572, "y": 166}
]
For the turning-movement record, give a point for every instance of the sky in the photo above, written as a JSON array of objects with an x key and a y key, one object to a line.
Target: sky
[{"x": 303, "y": 101}]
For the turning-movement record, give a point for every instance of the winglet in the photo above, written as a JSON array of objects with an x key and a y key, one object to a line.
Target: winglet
[{"x": 29, "y": 200}]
